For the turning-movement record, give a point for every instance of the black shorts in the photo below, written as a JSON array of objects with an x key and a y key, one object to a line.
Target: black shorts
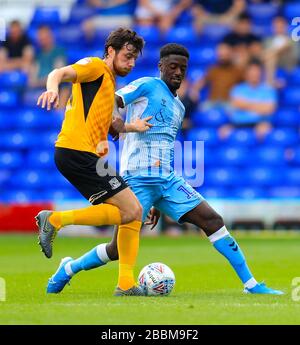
[{"x": 90, "y": 174}]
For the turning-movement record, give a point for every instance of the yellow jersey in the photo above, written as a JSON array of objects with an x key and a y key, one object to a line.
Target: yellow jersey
[{"x": 89, "y": 110}]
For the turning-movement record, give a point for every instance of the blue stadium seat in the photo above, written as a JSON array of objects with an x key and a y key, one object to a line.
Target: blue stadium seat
[
  {"x": 8, "y": 99},
  {"x": 208, "y": 135},
  {"x": 37, "y": 159},
  {"x": 205, "y": 55},
  {"x": 291, "y": 10},
  {"x": 21, "y": 196},
  {"x": 150, "y": 34},
  {"x": 244, "y": 137},
  {"x": 292, "y": 177},
  {"x": 79, "y": 13},
  {"x": 285, "y": 192},
  {"x": 214, "y": 33},
  {"x": 287, "y": 117},
  {"x": 61, "y": 194},
  {"x": 249, "y": 193},
  {"x": 260, "y": 176},
  {"x": 263, "y": 12},
  {"x": 212, "y": 192},
  {"x": 47, "y": 16},
  {"x": 19, "y": 140},
  {"x": 5, "y": 175},
  {"x": 272, "y": 155},
  {"x": 210, "y": 118},
  {"x": 291, "y": 96},
  {"x": 295, "y": 156},
  {"x": 222, "y": 177},
  {"x": 29, "y": 179},
  {"x": 7, "y": 119},
  {"x": 68, "y": 35},
  {"x": 181, "y": 34},
  {"x": 74, "y": 54},
  {"x": 47, "y": 139},
  {"x": 195, "y": 73},
  {"x": 233, "y": 155},
  {"x": 10, "y": 160},
  {"x": 34, "y": 119},
  {"x": 57, "y": 180},
  {"x": 31, "y": 96},
  {"x": 294, "y": 77},
  {"x": 283, "y": 137},
  {"x": 13, "y": 80}
]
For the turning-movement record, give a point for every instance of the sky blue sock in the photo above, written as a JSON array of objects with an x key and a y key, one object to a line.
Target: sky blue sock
[
  {"x": 228, "y": 247},
  {"x": 88, "y": 261}
]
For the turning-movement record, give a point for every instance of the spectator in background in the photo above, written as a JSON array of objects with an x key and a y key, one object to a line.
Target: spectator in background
[
  {"x": 216, "y": 12},
  {"x": 160, "y": 13},
  {"x": 16, "y": 52},
  {"x": 220, "y": 78},
  {"x": 245, "y": 44},
  {"x": 253, "y": 103},
  {"x": 48, "y": 57},
  {"x": 189, "y": 96},
  {"x": 113, "y": 13},
  {"x": 280, "y": 50}
]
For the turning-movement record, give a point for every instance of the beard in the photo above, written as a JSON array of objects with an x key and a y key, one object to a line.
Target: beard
[{"x": 118, "y": 71}]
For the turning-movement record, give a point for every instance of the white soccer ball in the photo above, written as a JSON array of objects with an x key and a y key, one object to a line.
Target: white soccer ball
[{"x": 157, "y": 279}]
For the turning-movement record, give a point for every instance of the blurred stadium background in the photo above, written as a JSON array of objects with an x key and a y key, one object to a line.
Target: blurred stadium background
[{"x": 252, "y": 169}]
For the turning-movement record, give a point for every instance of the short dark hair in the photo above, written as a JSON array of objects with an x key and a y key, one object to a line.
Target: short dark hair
[
  {"x": 244, "y": 16},
  {"x": 121, "y": 36},
  {"x": 173, "y": 49},
  {"x": 255, "y": 62}
]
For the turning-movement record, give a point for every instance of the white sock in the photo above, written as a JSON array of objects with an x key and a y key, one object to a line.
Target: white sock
[
  {"x": 68, "y": 269},
  {"x": 102, "y": 253},
  {"x": 250, "y": 283},
  {"x": 223, "y": 232}
]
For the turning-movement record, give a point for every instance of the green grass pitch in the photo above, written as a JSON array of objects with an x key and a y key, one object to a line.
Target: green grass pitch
[{"x": 207, "y": 290}]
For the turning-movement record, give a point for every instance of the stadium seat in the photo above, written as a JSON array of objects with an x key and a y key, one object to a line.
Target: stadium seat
[
  {"x": 29, "y": 179},
  {"x": 7, "y": 119},
  {"x": 37, "y": 159},
  {"x": 181, "y": 34},
  {"x": 245, "y": 137},
  {"x": 233, "y": 155},
  {"x": 8, "y": 99},
  {"x": 61, "y": 194},
  {"x": 209, "y": 136},
  {"x": 47, "y": 139},
  {"x": 31, "y": 96},
  {"x": 150, "y": 34},
  {"x": 260, "y": 176},
  {"x": 291, "y": 10},
  {"x": 210, "y": 118},
  {"x": 285, "y": 192},
  {"x": 291, "y": 96},
  {"x": 5, "y": 175},
  {"x": 271, "y": 155},
  {"x": 249, "y": 193},
  {"x": 287, "y": 117},
  {"x": 46, "y": 16},
  {"x": 295, "y": 156},
  {"x": 69, "y": 36},
  {"x": 19, "y": 140},
  {"x": 294, "y": 77},
  {"x": 21, "y": 196},
  {"x": 283, "y": 137},
  {"x": 12, "y": 80},
  {"x": 10, "y": 160},
  {"x": 80, "y": 13},
  {"x": 263, "y": 12},
  {"x": 203, "y": 56},
  {"x": 222, "y": 177},
  {"x": 212, "y": 193},
  {"x": 292, "y": 177}
]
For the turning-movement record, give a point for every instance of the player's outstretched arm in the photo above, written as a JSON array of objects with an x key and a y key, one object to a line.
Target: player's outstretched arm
[{"x": 50, "y": 97}]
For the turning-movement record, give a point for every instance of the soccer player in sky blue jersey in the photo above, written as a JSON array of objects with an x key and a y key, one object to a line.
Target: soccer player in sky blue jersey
[{"x": 146, "y": 167}]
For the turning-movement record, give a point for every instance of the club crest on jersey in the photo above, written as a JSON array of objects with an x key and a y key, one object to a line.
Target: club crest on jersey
[{"x": 114, "y": 183}]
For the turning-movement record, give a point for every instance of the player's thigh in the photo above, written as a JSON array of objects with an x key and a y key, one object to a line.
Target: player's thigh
[
  {"x": 82, "y": 171},
  {"x": 178, "y": 199}
]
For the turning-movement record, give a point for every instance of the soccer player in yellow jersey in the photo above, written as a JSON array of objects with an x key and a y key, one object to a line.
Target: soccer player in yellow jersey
[{"x": 82, "y": 143}]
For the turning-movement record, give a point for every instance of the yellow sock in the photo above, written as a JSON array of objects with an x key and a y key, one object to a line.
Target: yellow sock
[
  {"x": 103, "y": 214},
  {"x": 128, "y": 246}
]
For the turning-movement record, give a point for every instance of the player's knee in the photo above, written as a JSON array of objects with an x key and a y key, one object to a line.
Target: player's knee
[
  {"x": 112, "y": 251},
  {"x": 213, "y": 223},
  {"x": 132, "y": 213}
]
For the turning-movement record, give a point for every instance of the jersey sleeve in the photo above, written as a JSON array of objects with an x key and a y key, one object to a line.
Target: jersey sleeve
[
  {"x": 133, "y": 91},
  {"x": 88, "y": 69}
]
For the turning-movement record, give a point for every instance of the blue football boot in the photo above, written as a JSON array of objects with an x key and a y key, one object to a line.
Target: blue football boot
[
  {"x": 60, "y": 278},
  {"x": 261, "y": 288}
]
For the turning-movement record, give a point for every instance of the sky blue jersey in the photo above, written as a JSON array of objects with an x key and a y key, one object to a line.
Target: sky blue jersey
[{"x": 150, "y": 97}]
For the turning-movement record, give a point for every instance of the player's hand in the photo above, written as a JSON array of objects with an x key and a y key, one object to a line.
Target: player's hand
[
  {"x": 117, "y": 126},
  {"x": 142, "y": 125},
  {"x": 48, "y": 98},
  {"x": 153, "y": 217}
]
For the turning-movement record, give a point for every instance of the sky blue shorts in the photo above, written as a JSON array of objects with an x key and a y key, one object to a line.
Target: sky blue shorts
[{"x": 171, "y": 194}]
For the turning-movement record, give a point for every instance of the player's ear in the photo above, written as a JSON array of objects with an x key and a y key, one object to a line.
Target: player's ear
[{"x": 111, "y": 52}]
